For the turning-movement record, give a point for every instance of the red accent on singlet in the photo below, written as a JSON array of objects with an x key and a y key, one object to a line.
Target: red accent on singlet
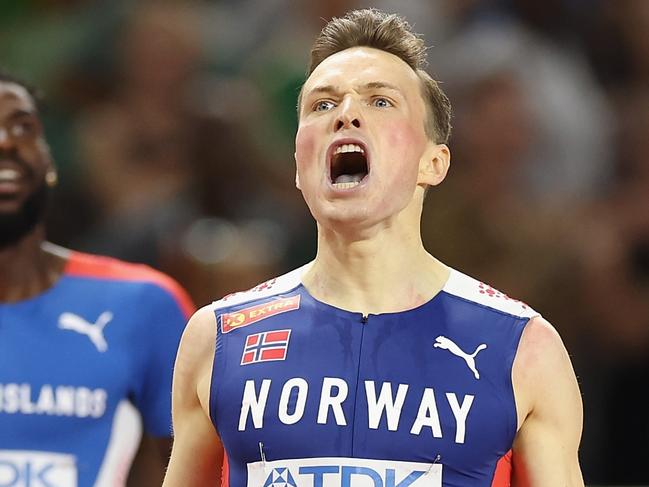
[
  {"x": 87, "y": 265},
  {"x": 225, "y": 472},
  {"x": 502, "y": 477}
]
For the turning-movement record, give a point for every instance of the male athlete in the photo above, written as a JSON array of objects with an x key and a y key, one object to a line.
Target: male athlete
[
  {"x": 375, "y": 364},
  {"x": 85, "y": 341}
]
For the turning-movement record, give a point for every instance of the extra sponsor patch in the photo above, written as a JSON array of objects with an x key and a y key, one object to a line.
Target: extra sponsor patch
[
  {"x": 343, "y": 472},
  {"x": 266, "y": 347},
  {"x": 247, "y": 316}
]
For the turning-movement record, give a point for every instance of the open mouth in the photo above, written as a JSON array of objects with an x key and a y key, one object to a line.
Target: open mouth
[
  {"x": 13, "y": 177},
  {"x": 348, "y": 166},
  {"x": 9, "y": 175}
]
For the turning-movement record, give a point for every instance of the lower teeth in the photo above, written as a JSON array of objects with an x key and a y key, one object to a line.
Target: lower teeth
[{"x": 346, "y": 185}]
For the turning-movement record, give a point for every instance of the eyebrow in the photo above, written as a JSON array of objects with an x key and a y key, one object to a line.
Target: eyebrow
[
  {"x": 18, "y": 114},
  {"x": 21, "y": 113},
  {"x": 380, "y": 84},
  {"x": 372, "y": 85}
]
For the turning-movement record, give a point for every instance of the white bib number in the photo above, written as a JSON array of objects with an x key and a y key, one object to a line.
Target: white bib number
[{"x": 343, "y": 472}]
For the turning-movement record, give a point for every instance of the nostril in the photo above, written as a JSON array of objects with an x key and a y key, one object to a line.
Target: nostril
[{"x": 341, "y": 123}]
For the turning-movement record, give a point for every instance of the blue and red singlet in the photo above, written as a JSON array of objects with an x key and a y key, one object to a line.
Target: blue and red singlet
[
  {"x": 76, "y": 362},
  {"x": 305, "y": 394}
]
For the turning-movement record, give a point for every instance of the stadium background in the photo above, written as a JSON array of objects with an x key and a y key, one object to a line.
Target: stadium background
[{"x": 172, "y": 125}]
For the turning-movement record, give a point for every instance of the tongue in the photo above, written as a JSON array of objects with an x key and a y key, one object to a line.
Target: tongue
[{"x": 350, "y": 178}]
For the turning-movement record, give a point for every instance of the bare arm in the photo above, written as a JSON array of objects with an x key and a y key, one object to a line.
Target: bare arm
[
  {"x": 150, "y": 461},
  {"x": 197, "y": 452},
  {"x": 550, "y": 411}
]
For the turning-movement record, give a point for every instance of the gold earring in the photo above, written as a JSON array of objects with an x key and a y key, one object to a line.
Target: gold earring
[{"x": 51, "y": 178}]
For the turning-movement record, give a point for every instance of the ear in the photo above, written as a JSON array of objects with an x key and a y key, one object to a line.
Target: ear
[
  {"x": 52, "y": 175},
  {"x": 434, "y": 166},
  {"x": 297, "y": 176}
]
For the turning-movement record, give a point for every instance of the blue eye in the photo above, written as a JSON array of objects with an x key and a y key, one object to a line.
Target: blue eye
[
  {"x": 324, "y": 105},
  {"x": 381, "y": 102}
]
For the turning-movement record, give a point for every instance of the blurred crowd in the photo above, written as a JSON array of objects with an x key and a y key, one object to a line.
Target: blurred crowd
[{"x": 172, "y": 125}]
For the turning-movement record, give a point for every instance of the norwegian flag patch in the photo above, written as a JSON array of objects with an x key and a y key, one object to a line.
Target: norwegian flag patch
[{"x": 267, "y": 346}]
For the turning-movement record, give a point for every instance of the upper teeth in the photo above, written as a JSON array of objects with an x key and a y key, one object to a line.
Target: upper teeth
[
  {"x": 9, "y": 175},
  {"x": 349, "y": 148}
]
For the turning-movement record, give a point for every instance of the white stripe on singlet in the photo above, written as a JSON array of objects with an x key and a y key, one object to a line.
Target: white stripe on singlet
[{"x": 123, "y": 444}]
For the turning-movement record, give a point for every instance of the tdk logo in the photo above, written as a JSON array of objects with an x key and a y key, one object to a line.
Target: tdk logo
[
  {"x": 280, "y": 477},
  {"x": 27, "y": 474},
  {"x": 343, "y": 476},
  {"x": 36, "y": 469},
  {"x": 343, "y": 472}
]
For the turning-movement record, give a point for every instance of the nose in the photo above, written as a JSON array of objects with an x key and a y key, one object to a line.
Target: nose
[
  {"x": 5, "y": 140},
  {"x": 348, "y": 115}
]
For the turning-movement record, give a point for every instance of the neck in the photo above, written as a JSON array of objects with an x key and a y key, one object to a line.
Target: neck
[
  {"x": 387, "y": 272},
  {"x": 29, "y": 267}
]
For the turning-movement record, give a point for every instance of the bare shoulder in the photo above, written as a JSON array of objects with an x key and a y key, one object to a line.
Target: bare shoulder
[
  {"x": 541, "y": 364},
  {"x": 541, "y": 349},
  {"x": 200, "y": 331},
  {"x": 197, "y": 345}
]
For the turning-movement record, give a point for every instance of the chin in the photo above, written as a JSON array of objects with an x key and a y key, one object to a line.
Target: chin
[{"x": 356, "y": 220}]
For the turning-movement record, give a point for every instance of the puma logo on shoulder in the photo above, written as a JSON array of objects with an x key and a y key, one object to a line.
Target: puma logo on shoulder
[
  {"x": 448, "y": 344},
  {"x": 94, "y": 331}
]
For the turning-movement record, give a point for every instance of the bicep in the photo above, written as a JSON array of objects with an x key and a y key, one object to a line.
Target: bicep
[
  {"x": 197, "y": 453},
  {"x": 150, "y": 461},
  {"x": 546, "y": 445}
]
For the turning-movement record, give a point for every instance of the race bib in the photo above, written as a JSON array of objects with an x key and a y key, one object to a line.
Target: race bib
[
  {"x": 343, "y": 472},
  {"x": 37, "y": 469}
]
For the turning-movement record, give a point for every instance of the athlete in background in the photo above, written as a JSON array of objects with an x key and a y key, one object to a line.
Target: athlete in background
[
  {"x": 86, "y": 342},
  {"x": 375, "y": 362}
]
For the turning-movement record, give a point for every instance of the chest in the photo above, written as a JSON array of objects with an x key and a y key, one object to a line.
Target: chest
[
  {"x": 64, "y": 358},
  {"x": 320, "y": 383}
]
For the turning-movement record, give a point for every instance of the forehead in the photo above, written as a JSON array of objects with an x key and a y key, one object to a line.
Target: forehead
[
  {"x": 14, "y": 97},
  {"x": 358, "y": 66}
]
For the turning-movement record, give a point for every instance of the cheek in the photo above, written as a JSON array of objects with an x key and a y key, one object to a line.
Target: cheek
[
  {"x": 404, "y": 136},
  {"x": 36, "y": 157},
  {"x": 405, "y": 144},
  {"x": 305, "y": 147}
]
